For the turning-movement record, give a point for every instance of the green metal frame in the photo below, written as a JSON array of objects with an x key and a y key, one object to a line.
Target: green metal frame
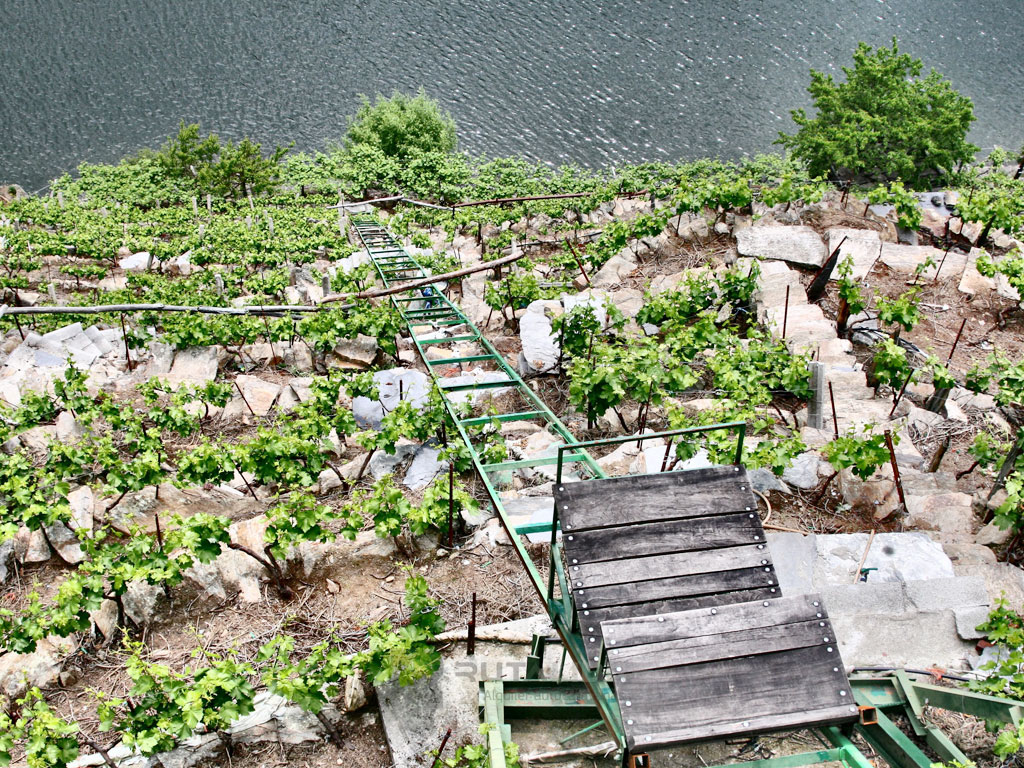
[
  {"x": 899, "y": 692},
  {"x": 386, "y": 254},
  {"x": 425, "y": 310}
]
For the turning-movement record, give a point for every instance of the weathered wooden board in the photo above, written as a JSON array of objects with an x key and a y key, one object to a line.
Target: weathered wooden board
[
  {"x": 650, "y": 498},
  {"x": 587, "y": 575},
  {"x": 685, "y": 535},
  {"x": 697, "y": 701},
  {"x": 727, "y": 618},
  {"x": 751, "y": 725},
  {"x": 674, "y": 605},
  {"x": 714, "y": 583},
  {"x": 682, "y": 652}
]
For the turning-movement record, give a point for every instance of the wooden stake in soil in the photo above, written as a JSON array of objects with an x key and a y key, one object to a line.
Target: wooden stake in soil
[
  {"x": 578, "y": 262},
  {"x": 242, "y": 395},
  {"x": 471, "y": 634},
  {"x": 864, "y": 557},
  {"x": 940, "y": 452}
]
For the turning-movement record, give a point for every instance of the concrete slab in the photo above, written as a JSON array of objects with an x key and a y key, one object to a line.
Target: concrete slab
[
  {"x": 918, "y": 640},
  {"x": 896, "y": 556},
  {"x": 947, "y": 594},
  {"x": 797, "y": 245},
  {"x": 860, "y": 245}
]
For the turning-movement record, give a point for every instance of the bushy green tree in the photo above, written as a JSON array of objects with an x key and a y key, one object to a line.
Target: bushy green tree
[
  {"x": 402, "y": 126},
  {"x": 220, "y": 169},
  {"x": 885, "y": 122}
]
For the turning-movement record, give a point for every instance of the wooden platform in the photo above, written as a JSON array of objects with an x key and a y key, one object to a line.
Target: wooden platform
[
  {"x": 671, "y": 575},
  {"x": 736, "y": 669},
  {"x": 646, "y": 544}
]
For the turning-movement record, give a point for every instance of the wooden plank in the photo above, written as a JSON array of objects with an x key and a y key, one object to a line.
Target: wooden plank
[
  {"x": 728, "y": 618},
  {"x": 757, "y": 642},
  {"x": 588, "y": 617},
  {"x": 663, "y": 537},
  {"x": 665, "y": 566},
  {"x": 678, "y": 586},
  {"x": 749, "y": 726},
  {"x": 649, "y": 498},
  {"x": 724, "y": 691}
]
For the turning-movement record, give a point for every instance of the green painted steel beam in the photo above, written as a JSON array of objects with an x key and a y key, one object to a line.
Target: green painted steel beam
[
  {"x": 540, "y": 461},
  {"x": 459, "y": 360},
  {"x": 448, "y": 340},
  {"x": 881, "y": 692},
  {"x": 560, "y": 611},
  {"x": 893, "y": 744},
  {"x": 502, "y": 417},
  {"x": 794, "y": 761},
  {"x": 476, "y": 385},
  {"x": 851, "y": 756}
]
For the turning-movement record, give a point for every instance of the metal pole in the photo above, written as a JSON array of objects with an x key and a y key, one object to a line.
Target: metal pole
[
  {"x": 956, "y": 341},
  {"x": 903, "y": 389},
  {"x": 895, "y": 468},
  {"x": 444, "y": 743},
  {"x": 835, "y": 419},
  {"x": 785, "y": 314},
  {"x": 471, "y": 634}
]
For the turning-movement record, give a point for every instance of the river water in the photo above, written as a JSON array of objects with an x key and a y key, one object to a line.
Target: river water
[{"x": 592, "y": 81}]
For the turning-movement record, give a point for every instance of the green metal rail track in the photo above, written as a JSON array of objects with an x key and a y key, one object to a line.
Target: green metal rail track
[
  {"x": 429, "y": 316},
  {"x": 426, "y": 311}
]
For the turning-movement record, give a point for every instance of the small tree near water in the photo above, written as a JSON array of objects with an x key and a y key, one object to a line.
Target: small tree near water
[{"x": 885, "y": 122}]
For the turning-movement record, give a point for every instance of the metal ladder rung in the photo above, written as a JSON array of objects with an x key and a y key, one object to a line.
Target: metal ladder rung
[
  {"x": 469, "y": 359},
  {"x": 526, "y": 463},
  {"x": 419, "y": 314},
  {"x": 503, "y": 417},
  {"x": 448, "y": 340},
  {"x": 478, "y": 385}
]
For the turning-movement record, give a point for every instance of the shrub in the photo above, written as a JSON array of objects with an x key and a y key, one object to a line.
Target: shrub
[{"x": 402, "y": 126}]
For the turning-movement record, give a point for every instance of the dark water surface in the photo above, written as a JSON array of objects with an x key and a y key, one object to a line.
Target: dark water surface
[{"x": 586, "y": 81}]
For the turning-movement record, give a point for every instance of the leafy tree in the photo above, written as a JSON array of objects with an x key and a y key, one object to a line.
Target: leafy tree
[
  {"x": 885, "y": 122},
  {"x": 223, "y": 170},
  {"x": 402, "y": 126}
]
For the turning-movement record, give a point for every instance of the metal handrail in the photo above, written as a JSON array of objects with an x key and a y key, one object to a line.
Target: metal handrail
[{"x": 740, "y": 426}]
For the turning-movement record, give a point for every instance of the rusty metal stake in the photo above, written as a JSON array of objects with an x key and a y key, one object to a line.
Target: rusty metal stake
[
  {"x": 835, "y": 419},
  {"x": 124, "y": 335},
  {"x": 18, "y": 326},
  {"x": 895, "y": 468},
  {"x": 903, "y": 389},
  {"x": 242, "y": 395},
  {"x": 471, "y": 634},
  {"x": 664, "y": 461},
  {"x": 579, "y": 263},
  {"x": 785, "y": 314},
  {"x": 444, "y": 743},
  {"x": 943, "y": 261},
  {"x": 956, "y": 341}
]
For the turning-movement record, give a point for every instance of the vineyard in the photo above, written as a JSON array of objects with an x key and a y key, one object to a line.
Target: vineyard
[{"x": 236, "y": 505}]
